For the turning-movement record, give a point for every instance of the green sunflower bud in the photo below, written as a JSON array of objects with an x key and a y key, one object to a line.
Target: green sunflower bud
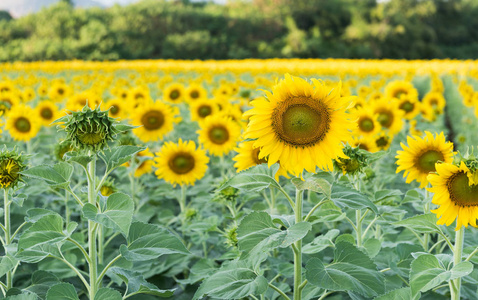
[
  {"x": 231, "y": 236},
  {"x": 356, "y": 162},
  {"x": 89, "y": 129},
  {"x": 11, "y": 164},
  {"x": 108, "y": 187},
  {"x": 61, "y": 148}
]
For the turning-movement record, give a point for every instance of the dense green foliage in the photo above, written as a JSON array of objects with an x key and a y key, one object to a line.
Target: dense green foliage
[{"x": 409, "y": 29}]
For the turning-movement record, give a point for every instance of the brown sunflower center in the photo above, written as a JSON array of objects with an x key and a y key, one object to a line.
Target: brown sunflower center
[
  {"x": 61, "y": 91},
  {"x": 366, "y": 124},
  {"x": 385, "y": 118},
  {"x": 174, "y": 94},
  {"x": 204, "y": 111},
  {"x": 255, "y": 157},
  {"x": 181, "y": 163},
  {"x": 152, "y": 120},
  {"x": 218, "y": 134},
  {"x": 399, "y": 93},
  {"x": 382, "y": 142},
  {"x": 194, "y": 94},
  {"x": 46, "y": 113},
  {"x": 301, "y": 121},
  {"x": 407, "y": 106},
  {"x": 426, "y": 161},
  {"x": 114, "y": 109},
  {"x": 461, "y": 193},
  {"x": 139, "y": 96},
  {"x": 22, "y": 124}
]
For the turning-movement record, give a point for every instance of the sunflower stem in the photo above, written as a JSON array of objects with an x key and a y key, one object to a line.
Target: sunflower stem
[
  {"x": 8, "y": 239},
  {"x": 298, "y": 248},
  {"x": 358, "y": 222},
  {"x": 426, "y": 209},
  {"x": 93, "y": 265},
  {"x": 67, "y": 210},
  {"x": 273, "y": 201},
  {"x": 455, "y": 284},
  {"x": 182, "y": 199}
]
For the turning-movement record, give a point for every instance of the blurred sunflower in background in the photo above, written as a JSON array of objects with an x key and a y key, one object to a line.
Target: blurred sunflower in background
[
  {"x": 195, "y": 92},
  {"x": 389, "y": 115},
  {"x": 118, "y": 108},
  {"x": 22, "y": 123},
  {"x": 181, "y": 163},
  {"x": 302, "y": 125},
  {"x": 399, "y": 88},
  {"x": 422, "y": 155},
  {"x": 174, "y": 93},
  {"x": 47, "y": 112},
  {"x": 202, "y": 108},
  {"x": 367, "y": 121},
  {"x": 155, "y": 119}
]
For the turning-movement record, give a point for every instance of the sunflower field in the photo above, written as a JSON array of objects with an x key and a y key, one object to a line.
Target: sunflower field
[{"x": 270, "y": 179}]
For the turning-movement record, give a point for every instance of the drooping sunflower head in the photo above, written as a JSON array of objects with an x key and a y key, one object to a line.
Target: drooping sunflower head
[
  {"x": 89, "y": 129},
  {"x": 22, "y": 123},
  {"x": 300, "y": 124},
  {"x": 181, "y": 163},
  {"x": 11, "y": 164},
  {"x": 422, "y": 155},
  {"x": 155, "y": 120},
  {"x": 455, "y": 196},
  {"x": 219, "y": 135}
]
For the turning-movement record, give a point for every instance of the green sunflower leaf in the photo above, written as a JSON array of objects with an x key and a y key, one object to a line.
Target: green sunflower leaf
[
  {"x": 117, "y": 156},
  {"x": 254, "y": 179}
]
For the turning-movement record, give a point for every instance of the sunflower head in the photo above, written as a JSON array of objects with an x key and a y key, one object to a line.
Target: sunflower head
[
  {"x": 11, "y": 164},
  {"x": 89, "y": 129},
  {"x": 226, "y": 195},
  {"x": 190, "y": 214}
]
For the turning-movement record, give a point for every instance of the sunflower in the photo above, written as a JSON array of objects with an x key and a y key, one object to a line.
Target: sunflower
[
  {"x": 22, "y": 123},
  {"x": 364, "y": 143},
  {"x": 59, "y": 91},
  {"x": 7, "y": 101},
  {"x": 202, "y": 108},
  {"x": 367, "y": 124},
  {"x": 156, "y": 119},
  {"x": 454, "y": 195},
  {"x": 389, "y": 115},
  {"x": 302, "y": 125},
  {"x": 195, "y": 92},
  {"x": 219, "y": 135},
  {"x": 421, "y": 155},
  {"x": 248, "y": 156},
  {"x": 117, "y": 108},
  {"x": 399, "y": 88},
  {"x": 78, "y": 101},
  {"x": 174, "y": 93},
  {"x": 143, "y": 163},
  {"x": 434, "y": 101},
  {"x": 383, "y": 140},
  {"x": 47, "y": 112},
  {"x": 139, "y": 96},
  {"x": 409, "y": 106},
  {"x": 6, "y": 87},
  {"x": 181, "y": 163}
]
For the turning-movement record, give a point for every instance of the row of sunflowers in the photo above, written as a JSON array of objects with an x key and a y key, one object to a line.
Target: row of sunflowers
[{"x": 236, "y": 180}]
